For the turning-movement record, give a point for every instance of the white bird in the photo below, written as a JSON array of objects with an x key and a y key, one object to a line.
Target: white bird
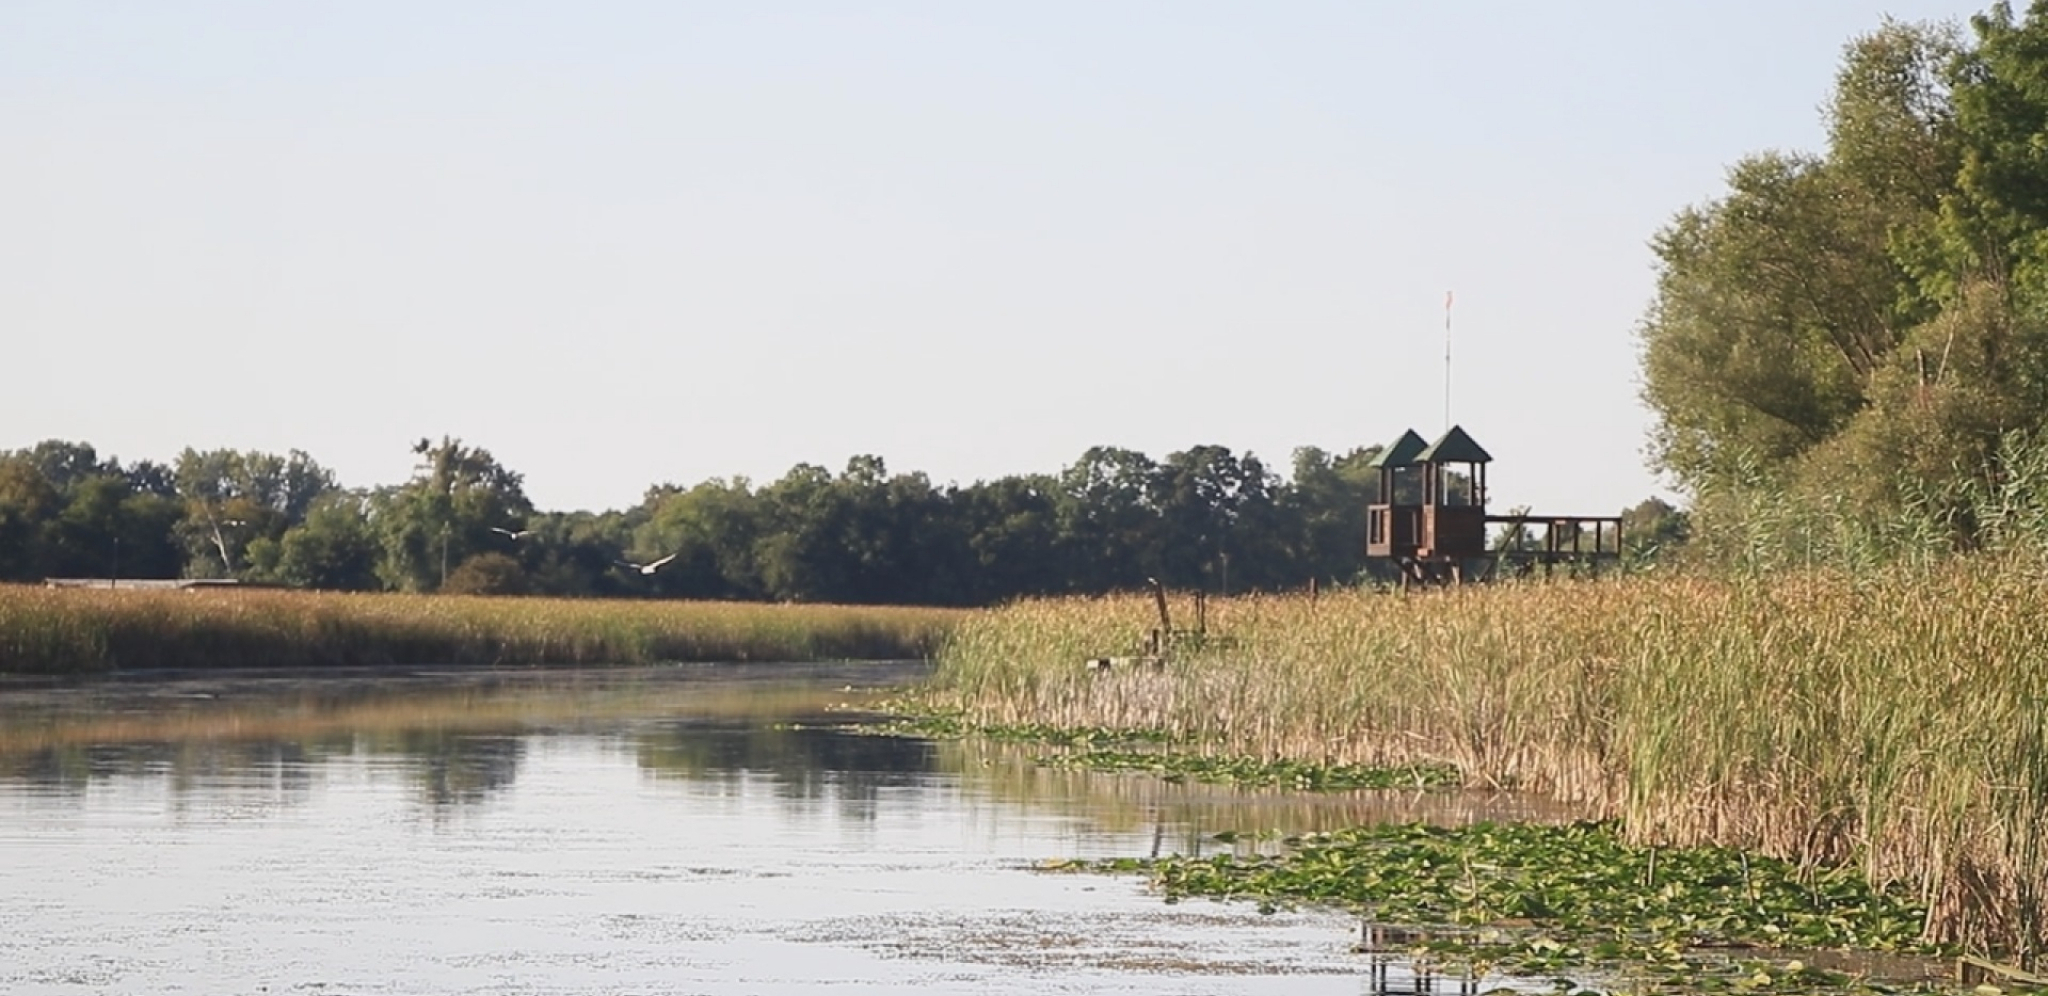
[
  {"x": 646, "y": 568},
  {"x": 519, "y": 535}
]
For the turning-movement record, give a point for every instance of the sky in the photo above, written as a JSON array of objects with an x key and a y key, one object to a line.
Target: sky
[{"x": 620, "y": 244}]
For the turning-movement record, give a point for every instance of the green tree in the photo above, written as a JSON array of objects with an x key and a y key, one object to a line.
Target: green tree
[
  {"x": 333, "y": 548},
  {"x": 1109, "y": 521},
  {"x": 444, "y": 514},
  {"x": 1209, "y": 502},
  {"x": 1322, "y": 509},
  {"x": 27, "y": 501},
  {"x": 64, "y": 512},
  {"x": 576, "y": 553},
  {"x": 488, "y": 573},
  {"x": 233, "y": 499},
  {"x": 1013, "y": 541},
  {"x": 1802, "y": 319},
  {"x": 1652, "y": 529},
  {"x": 712, "y": 528}
]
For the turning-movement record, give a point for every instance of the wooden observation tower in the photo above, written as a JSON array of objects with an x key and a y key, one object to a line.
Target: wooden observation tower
[{"x": 1430, "y": 519}]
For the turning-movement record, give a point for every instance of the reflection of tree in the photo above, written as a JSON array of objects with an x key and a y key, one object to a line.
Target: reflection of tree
[
  {"x": 459, "y": 736},
  {"x": 454, "y": 769},
  {"x": 808, "y": 764},
  {"x": 71, "y": 768}
]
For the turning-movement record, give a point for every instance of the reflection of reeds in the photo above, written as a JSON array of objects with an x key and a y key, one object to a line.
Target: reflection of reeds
[
  {"x": 1011, "y": 772},
  {"x": 380, "y": 711},
  {"x": 80, "y": 630},
  {"x": 1892, "y": 718}
]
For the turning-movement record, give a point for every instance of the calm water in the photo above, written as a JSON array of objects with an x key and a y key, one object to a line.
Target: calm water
[{"x": 646, "y": 831}]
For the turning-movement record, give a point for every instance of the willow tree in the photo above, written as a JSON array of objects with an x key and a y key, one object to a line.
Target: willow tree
[{"x": 1782, "y": 307}]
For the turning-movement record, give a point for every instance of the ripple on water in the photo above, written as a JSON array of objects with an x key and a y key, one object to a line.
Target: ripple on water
[{"x": 652, "y": 831}]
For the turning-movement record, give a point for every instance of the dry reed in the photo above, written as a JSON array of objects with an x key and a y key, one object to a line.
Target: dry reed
[
  {"x": 1892, "y": 717},
  {"x": 45, "y": 630}
]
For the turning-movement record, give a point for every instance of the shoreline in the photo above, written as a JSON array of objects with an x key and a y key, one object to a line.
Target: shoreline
[{"x": 74, "y": 631}]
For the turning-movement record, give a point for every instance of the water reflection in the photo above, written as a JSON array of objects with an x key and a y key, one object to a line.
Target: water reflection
[
  {"x": 1191, "y": 813},
  {"x": 1392, "y": 972},
  {"x": 697, "y": 830},
  {"x": 807, "y": 762},
  {"x": 461, "y": 736}
]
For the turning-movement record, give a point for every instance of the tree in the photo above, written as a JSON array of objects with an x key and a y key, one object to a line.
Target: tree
[
  {"x": 488, "y": 573},
  {"x": 64, "y": 512},
  {"x": 333, "y": 548},
  {"x": 1652, "y": 528},
  {"x": 1322, "y": 513},
  {"x": 712, "y": 529},
  {"x": 796, "y": 550},
  {"x": 1790, "y": 311},
  {"x": 1013, "y": 541},
  {"x": 444, "y": 514},
  {"x": 233, "y": 499},
  {"x": 27, "y": 501},
  {"x": 1206, "y": 497},
  {"x": 1109, "y": 521}
]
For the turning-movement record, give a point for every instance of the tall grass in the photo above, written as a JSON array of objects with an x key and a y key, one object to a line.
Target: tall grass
[
  {"x": 46, "y": 630},
  {"x": 1893, "y": 716}
]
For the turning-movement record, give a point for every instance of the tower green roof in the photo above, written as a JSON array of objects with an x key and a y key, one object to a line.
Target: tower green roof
[
  {"x": 1454, "y": 447},
  {"x": 1401, "y": 454}
]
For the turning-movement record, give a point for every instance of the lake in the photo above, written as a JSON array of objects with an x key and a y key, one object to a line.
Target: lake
[{"x": 699, "y": 829}]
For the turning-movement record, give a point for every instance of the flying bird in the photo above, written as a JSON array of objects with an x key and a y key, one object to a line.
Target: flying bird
[
  {"x": 649, "y": 568},
  {"x": 518, "y": 535}
]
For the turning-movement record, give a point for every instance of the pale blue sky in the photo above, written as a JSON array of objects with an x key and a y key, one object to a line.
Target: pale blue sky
[{"x": 625, "y": 243}]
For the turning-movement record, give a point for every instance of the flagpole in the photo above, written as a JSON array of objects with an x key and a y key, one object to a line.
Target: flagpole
[{"x": 1447, "y": 361}]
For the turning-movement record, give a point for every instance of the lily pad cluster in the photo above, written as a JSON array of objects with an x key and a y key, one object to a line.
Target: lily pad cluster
[
  {"x": 1306, "y": 776},
  {"x": 938, "y": 726},
  {"x": 1536, "y": 900}
]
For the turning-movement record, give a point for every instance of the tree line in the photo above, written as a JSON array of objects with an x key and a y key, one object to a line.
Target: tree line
[
  {"x": 1860, "y": 334},
  {"x": 1202, "y": 518}
]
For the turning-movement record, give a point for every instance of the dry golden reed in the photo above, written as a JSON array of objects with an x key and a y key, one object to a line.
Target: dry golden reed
[
  {"x": 46, "y": 630},
  {"x": 1894, "y": 718}
]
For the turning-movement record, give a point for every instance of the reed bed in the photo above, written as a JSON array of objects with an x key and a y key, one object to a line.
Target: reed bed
[
  {"x": 64, "y": 631},
  {"x": 1893, "y": 718}
]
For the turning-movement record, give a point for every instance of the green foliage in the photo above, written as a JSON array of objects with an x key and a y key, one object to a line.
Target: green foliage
[
  {"x": 1099, "y": 750},
  {"x": 1848, "y": 355},
  {"x": 1305, "y": 776},
  {"x": 1552, "y": 899},
  {"x": 234, "y": 499},
  {"x": 1774, "y": 309},
  {"x": 66, "y": 513},
  {"x": 1203, "y": 518},
  {"x": 487, "y": 574},
  {"x": 920, "y": 721},
  {"x": 1862, "y": 331},
  {"x": 1324, "y": 529},
  {"x": 334, "y": 548},
  {"x": 444, "y": 514},
  {"x": 1580, "y": 878}
]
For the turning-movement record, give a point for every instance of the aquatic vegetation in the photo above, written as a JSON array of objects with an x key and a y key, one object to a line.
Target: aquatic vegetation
[
  {"x": 1537, "y": 900},
  {"x": 1582, "y": 878},
  {"x": 1889, "y": 719},
  {"x": 1168, "y": 764},
  {"x": 1306, "y": 776},
  {"x": 46, "y": 630},
  {"x": 912, "y": 720}
]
